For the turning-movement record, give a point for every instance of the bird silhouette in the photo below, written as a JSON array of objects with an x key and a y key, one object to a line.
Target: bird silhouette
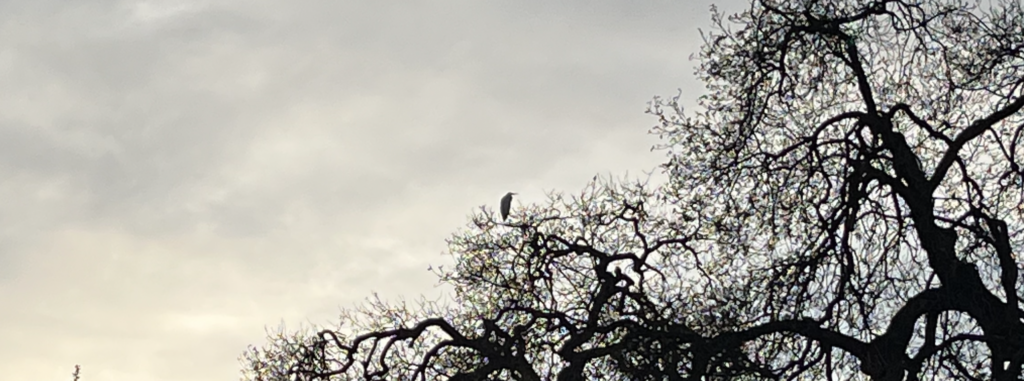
[{"x": 506, "y": 203}]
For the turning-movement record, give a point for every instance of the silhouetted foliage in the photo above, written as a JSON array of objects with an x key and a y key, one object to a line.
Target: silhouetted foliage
[{"x": 845, "y": 203}]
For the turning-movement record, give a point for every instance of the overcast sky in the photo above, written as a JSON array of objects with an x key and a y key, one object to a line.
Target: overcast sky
[{"x": 176, "y": 177}]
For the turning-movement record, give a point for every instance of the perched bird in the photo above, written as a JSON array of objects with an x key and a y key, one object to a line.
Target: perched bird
[{"x": 506, "y": 203}]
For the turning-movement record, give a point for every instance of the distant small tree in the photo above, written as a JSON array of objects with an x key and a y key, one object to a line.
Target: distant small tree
[{"x": 845, "y": 203}]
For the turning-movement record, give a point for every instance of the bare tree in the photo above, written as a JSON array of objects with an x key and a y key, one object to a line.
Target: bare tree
[{"x": 845, "y": 203}]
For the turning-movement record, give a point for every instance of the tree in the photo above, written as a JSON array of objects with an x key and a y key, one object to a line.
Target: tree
[{"x": 845, "y": 203}]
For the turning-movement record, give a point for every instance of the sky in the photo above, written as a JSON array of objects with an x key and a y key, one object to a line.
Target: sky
[{"x": 178, "y": 177}]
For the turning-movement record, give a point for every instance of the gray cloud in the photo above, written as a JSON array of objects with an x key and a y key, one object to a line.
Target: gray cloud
[{"x": 176, "y": 176}]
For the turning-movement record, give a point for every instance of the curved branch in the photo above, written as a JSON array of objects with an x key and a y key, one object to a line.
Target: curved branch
[
  {"x": 905, "y": 108},
  {"x": 968, "y": 134}
]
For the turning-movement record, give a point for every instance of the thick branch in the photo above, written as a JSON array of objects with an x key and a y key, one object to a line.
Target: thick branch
[{"x": 968, "y": 134}]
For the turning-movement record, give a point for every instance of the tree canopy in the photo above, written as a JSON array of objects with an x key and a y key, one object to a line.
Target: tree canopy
[{"x": 845, "y": 202}]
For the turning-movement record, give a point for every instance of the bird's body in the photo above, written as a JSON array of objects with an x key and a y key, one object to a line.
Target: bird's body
[{"x": 506, "y": 204}]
